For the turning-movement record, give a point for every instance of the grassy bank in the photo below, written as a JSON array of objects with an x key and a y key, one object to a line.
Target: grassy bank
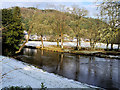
[{"x": 83, "y": 51}]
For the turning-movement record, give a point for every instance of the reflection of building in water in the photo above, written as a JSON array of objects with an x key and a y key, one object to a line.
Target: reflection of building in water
[{"x": 29, "y": 51}]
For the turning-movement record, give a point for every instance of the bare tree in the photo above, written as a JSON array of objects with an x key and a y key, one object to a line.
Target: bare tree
[
  {"x": 78, "y": 14},
  {"x": 109, "y": 12},
  {"x": 29, "y": 31}
]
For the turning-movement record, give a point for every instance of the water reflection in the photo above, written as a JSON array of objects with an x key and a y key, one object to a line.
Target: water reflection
[
  {"x": 91, "y": 70},
  {"x": 29, "y": 52}
]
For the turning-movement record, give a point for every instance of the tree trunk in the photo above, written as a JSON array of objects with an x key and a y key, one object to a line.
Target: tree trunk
[
  {"x": 24, "y": 43},
  {"x": 79, "y": 43},
  {"x": 107, "y": 45},
  {"x": 42, "y": 41},
  {"x": 90, "y": 42},
  {"x": 118, "y": 46},
  {"x": 58, "y": 42},
  {"x": 61, "y": 36},
  {"x": 93, "y": 45},
  {"x": 111, "y": 46},
  {"x": 61, "y": 40}
]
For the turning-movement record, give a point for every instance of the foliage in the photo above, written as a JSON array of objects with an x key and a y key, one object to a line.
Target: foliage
[
  {"x": 32, "y": 8},
  {"x": 12, "y": 30},
  {"x": 24, "y": 88},
  {"x": 43, "y": 86},
  {"x": 49, "y": 22},
  {"x": 109, "y": 12},
  {"x": 17, "y": 88}
]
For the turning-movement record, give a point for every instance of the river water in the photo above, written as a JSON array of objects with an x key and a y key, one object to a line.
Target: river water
[{"x": 101, "y": 72}]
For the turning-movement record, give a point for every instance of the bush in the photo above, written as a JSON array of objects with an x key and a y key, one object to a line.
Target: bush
[{"x": 24, "y": 88}]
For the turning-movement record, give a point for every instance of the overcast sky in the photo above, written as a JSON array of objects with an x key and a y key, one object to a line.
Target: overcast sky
[{"x": 90, "y": 5}]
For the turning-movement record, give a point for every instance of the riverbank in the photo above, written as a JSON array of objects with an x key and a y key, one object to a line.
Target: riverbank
[
  {"x": 69, "y": 47},
  {"x": 69, "y": 44},
  {"x": 97, "y": 53},
  {"x": 17, "y": 73}
]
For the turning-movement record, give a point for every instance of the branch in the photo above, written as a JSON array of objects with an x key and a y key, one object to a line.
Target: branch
[{"x": 23, "y": 43}]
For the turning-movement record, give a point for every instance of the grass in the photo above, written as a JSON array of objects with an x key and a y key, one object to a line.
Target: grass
[
  {"x": 82, "y": 51},
  {"x": 71, "y": 50}
]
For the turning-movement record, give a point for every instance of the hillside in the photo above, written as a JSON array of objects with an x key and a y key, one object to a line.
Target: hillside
[
  {"x": 59, "y": 25},
  {"x": 48, "y": 19}
]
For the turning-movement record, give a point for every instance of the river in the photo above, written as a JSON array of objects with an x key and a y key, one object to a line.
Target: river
[{"x": 101, "y": 72}]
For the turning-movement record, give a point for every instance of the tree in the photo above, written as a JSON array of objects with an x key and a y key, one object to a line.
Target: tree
[
  {"x": 12, "y": 30},
  {"x": 109, "y": 11},
  {"x": 61, "y": 22},
  {"x": 28, "y": 25},
  {"x": 118, "y": 39},
  {"x": 56, "y": 27},
  {"x": 92, "y": 27},
  {"x": 78, "y": 14},
  {"x": 41, "y": 25}
]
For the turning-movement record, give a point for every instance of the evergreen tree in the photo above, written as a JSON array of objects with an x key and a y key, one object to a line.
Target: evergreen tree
[{"x": 12, "y": 30}]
